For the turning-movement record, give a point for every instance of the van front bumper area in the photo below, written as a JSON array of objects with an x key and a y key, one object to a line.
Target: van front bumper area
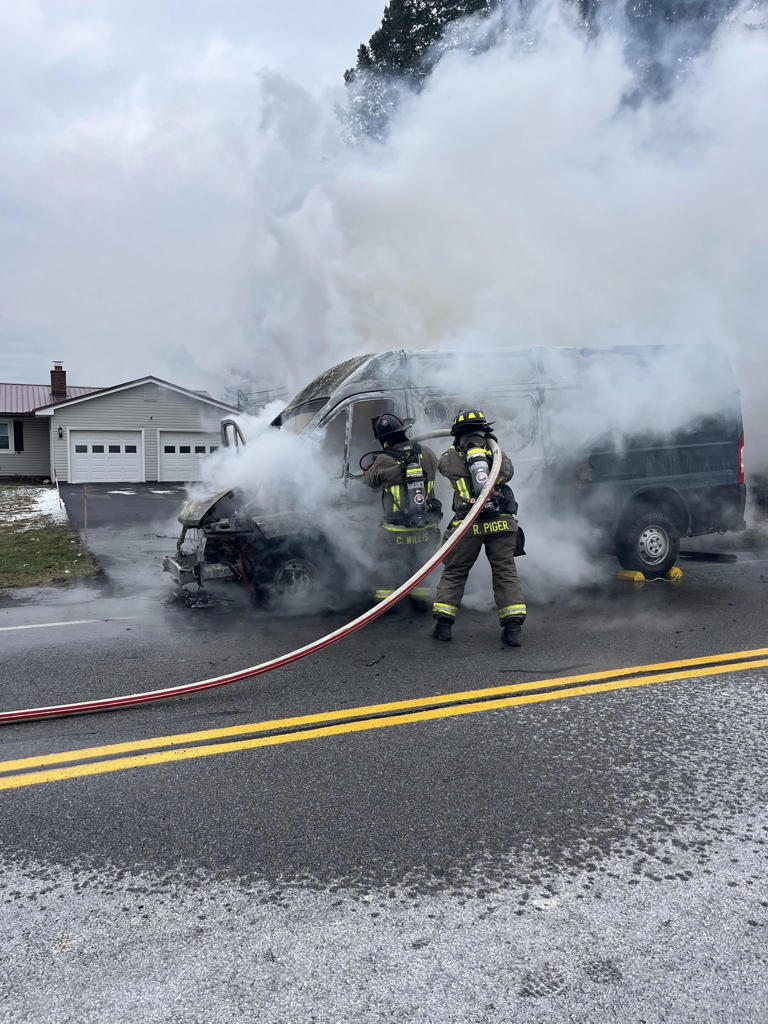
[{"x": 187, "y": 569}]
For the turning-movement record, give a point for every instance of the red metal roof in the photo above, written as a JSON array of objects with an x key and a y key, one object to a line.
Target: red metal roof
[{"x": 23, "y": 399}]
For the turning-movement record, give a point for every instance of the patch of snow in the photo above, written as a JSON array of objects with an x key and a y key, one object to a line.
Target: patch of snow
[
  {"x": 121, "y": 492},
  {"x": 50, "y": 504},
  {"x": 26, "y": 504}
]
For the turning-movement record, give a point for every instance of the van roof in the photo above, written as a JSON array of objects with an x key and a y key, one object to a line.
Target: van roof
[
  {"x": 523, "y": 367},
  {"x": 409, "y": 368},
  {"x": 324, "y": 385}
]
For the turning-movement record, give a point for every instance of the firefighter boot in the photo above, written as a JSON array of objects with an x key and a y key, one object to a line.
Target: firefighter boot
[
  {"x": 510, "y": 634},
  {"x": 442, "y": 630}
]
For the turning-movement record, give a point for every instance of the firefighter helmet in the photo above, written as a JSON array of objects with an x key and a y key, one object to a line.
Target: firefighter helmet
[
  {"x": 390, "y": 429},
  {"x": 469, "y": 421}
]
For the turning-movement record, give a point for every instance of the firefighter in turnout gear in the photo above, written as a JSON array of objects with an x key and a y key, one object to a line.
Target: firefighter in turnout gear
[
  {"x": 466, "y": 464},
  {"x": 411, "y": 515}
]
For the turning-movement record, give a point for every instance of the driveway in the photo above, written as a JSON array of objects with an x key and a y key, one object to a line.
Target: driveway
[
  {"x": 121, "y": 505},
  {"x": 130, "y": 528}
]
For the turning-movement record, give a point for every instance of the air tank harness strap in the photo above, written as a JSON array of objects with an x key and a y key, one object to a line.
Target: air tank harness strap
[{"x": 395, "y": 491}]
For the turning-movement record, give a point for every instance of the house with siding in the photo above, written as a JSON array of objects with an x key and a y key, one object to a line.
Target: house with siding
[{"x": 142, "y": 430}]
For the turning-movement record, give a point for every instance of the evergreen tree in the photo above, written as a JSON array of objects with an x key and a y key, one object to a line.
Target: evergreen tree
[
  {"x": 408, "y": 29},
  {"x": 662, "y": 36},
  {"x": 400, "y": 54}
]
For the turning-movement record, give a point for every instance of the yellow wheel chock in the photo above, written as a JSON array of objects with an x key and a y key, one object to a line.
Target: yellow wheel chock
[
  {"x": 628, "y": 576},
  {"x": 674, "y": 575}
]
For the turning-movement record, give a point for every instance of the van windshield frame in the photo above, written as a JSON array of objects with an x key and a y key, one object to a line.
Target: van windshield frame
[{"x": 299, "y": 417}]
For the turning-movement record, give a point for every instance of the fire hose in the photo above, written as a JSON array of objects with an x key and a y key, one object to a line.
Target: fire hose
[{"x": 135, "y": 699}]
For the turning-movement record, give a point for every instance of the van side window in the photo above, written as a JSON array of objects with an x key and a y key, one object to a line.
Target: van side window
[
  {"x": 334, "y": 441},
  {"x": 516, "y": 421},
  {"x": 361, "y": 436}
]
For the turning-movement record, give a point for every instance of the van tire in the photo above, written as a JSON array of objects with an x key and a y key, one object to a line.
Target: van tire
[
  {"x": 289, "y": 580},
  {"x": 648, "y": 542}
]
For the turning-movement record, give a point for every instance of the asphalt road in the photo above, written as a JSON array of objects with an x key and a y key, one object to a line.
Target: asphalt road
[{"x": 587, "y": 856}]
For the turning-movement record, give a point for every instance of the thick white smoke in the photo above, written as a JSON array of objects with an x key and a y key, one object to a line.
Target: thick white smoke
[
  {"x": 292, "y": 485},
  {"x": 519, "y": 200}
]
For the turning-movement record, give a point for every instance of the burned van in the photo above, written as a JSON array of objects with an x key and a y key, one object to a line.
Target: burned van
[{"x": 644, "y": 443}]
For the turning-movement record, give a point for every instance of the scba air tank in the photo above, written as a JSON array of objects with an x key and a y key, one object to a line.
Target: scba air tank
[
  {"x": 479, "y": 468},
  {"x": 417, "y": 497}
]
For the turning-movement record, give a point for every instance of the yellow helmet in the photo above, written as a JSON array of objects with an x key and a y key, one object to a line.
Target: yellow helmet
[{"x": 469, "y": 421}]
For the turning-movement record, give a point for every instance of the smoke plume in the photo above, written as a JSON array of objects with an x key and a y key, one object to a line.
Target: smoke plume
[
  {"x": 531, "y": 194},
  {"x": 520, "y": 199}
]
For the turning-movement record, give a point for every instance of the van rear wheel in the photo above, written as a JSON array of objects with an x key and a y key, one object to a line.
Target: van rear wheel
[{"x": 648, "y": 543}]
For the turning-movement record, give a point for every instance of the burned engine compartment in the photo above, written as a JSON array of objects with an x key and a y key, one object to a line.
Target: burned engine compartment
[
  {"x": 218, "y": 536},
  {"x": 225, "y": 538}
]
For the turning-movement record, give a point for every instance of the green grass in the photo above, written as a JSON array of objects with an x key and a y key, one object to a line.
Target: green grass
[{"x": 34, "y": 548}]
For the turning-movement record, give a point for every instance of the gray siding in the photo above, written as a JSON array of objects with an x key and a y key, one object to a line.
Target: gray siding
[
  {"x": 35, "y": 460},
  {"x": 147, "y": 407}
]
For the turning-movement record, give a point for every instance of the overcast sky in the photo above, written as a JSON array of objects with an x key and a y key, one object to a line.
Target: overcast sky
[{"x": 129, "y": 131}]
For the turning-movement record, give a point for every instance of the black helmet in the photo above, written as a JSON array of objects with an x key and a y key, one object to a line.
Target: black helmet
[
  {"x": 469, "y": 421},
  {"x": 390, "y": 429}
]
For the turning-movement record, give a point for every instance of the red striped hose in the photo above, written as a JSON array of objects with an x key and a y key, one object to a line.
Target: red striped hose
[{"x": 131, "y": 700}]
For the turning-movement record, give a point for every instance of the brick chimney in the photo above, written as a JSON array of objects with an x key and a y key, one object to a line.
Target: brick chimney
[{"x": 58, "y": 381}]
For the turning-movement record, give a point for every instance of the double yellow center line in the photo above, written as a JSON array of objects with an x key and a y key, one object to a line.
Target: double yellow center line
[{"x": 27, "y": 771}]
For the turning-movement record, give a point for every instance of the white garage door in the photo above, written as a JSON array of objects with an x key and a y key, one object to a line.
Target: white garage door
[
  {"x": 182, "y": 453},
  {"x": 114, "y": 456}
]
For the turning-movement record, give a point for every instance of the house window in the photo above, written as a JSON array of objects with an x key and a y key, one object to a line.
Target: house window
[
  {"x": 114, "y": 448},
  {"x": 199, "y": 449},
  {"x": 81, "y": 449},
  {"x": 97, "y": 449},
  {"x": 169, "y": 449},
  {"x": 184, "y": 449},
  {"x": 213, "y": 448},
  {"x": 130, "y": 449},
  {"x": 5, "y": 437}
]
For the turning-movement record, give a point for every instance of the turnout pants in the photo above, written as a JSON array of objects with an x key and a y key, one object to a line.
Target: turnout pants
[
  {"x": 403, "y": 550},
  {"x": 498, "y": 536}
]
